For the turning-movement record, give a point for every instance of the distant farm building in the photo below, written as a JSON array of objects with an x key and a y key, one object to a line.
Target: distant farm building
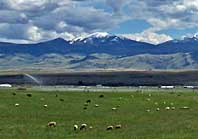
[
  {"x": 167, "y": 87},
  {"x": 5, "y": 85},
  {"x": 189, "y": 87}
]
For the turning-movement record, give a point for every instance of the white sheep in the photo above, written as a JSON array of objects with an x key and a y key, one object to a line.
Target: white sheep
[
  {"x": 114, "y": 109},
  {"x": 96, "y": 105},
  {"x": 17, "y": 104},
  {"x": 75, "y": 127},
  {"x": 109, "y": 127},
  {"x": 185, "y": 107},
  {"x": 52, "y": 124},
  {"x": 148, "y": 110},
  {"x": 173, "y": 108},
  {"x": 83, "y": 126},
  {"x": 158, "y": 109},
  {"x": 45, "y": 106},
  {"x": 167, "y": 108}
]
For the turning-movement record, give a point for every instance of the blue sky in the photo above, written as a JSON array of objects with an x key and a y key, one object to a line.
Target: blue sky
[
  {"x": 131, "y": 26},
  {"x": 153, "y": 21}
]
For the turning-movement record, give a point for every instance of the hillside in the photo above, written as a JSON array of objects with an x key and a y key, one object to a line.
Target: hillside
[{"x": 100, "y": 51}]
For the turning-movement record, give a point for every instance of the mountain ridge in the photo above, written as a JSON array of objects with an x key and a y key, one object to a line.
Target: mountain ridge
[{"x": 101, "y": 51}]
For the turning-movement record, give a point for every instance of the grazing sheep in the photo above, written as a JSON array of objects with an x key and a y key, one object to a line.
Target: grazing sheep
[
  {"x": 118, "y": 126},
  {"x": 114, "y": 109},
  {"x": 52, "y": 124},
  {"x": 167, "y": 108},
  {"x": 45, "y": 106},
  {"x": 75, "y": 127},
  {"x": 101, "y": 96},
  {"x": 17, "y": 105},
  {"x": 158, "y": 109},
  {"x": 150, "y": 95},
  {"x": 90, "y": 127},
  {"x": 172, "y": 108},
  {"x": 29, "y": 95},
  {"x": 96, "y": 105},
  {"x": 164, "y": 102},
  {"x": 83, "y": 126},
  {"x": 148, "y": 110},
  {"x": 109, "y": 127},
  {"x": 185, "y": 108},
  {"x": 88, "y": 101},
  {"x": 61, "y": 99}
]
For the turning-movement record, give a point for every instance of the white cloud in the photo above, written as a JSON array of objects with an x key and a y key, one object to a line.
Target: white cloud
[
  {"x": 167, "y": 13},
  {"x": 149, "y": 37},
  {"x": 12, "y": 17},
  {"x": 38, "y": 20},
  {"x": 36, "y": 34},
  {"x": 117, "y": 5},
  {"x": 190, "y": 35}
]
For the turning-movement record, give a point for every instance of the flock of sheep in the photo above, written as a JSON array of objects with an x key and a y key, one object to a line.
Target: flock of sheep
[
  {"x": 85, "y": 126},
  {"x": 77, "y": 127},
  {"x": 171, "y": 107}
]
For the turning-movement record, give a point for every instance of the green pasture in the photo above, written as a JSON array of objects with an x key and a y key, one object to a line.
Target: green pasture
[{"x": 136, "y": 112}]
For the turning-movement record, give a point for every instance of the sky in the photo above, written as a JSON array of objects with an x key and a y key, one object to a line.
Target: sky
[{"x": 152, "y": 21}]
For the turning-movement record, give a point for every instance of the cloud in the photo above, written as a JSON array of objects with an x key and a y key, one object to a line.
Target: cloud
[
  {"x": 162, "y": 15},
  {"x": 13, "y": 17},
  {"x": 167, "y": 13},
  {"x": 117, "y": 5},
  {"x": 149, "y": 37},
  {"x": 190, "y": 35},
  {"x": 74, "y": 19},
  {"x": 37, "y": 20}
]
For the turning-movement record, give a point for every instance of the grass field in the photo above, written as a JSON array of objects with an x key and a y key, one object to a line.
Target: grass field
[{"x": 30, "y": 119}]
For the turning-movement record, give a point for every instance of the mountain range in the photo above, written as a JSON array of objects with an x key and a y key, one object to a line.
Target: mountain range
[{"x": 100, "y": 51}]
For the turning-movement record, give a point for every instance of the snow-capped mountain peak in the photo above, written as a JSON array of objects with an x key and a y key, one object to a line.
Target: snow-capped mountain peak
[
  {"x": 93, "y": 35},
  {"x": 90, "y": 37},
  {"x": 100, "y": 38},
  {"x": 98, "y": 35}
]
